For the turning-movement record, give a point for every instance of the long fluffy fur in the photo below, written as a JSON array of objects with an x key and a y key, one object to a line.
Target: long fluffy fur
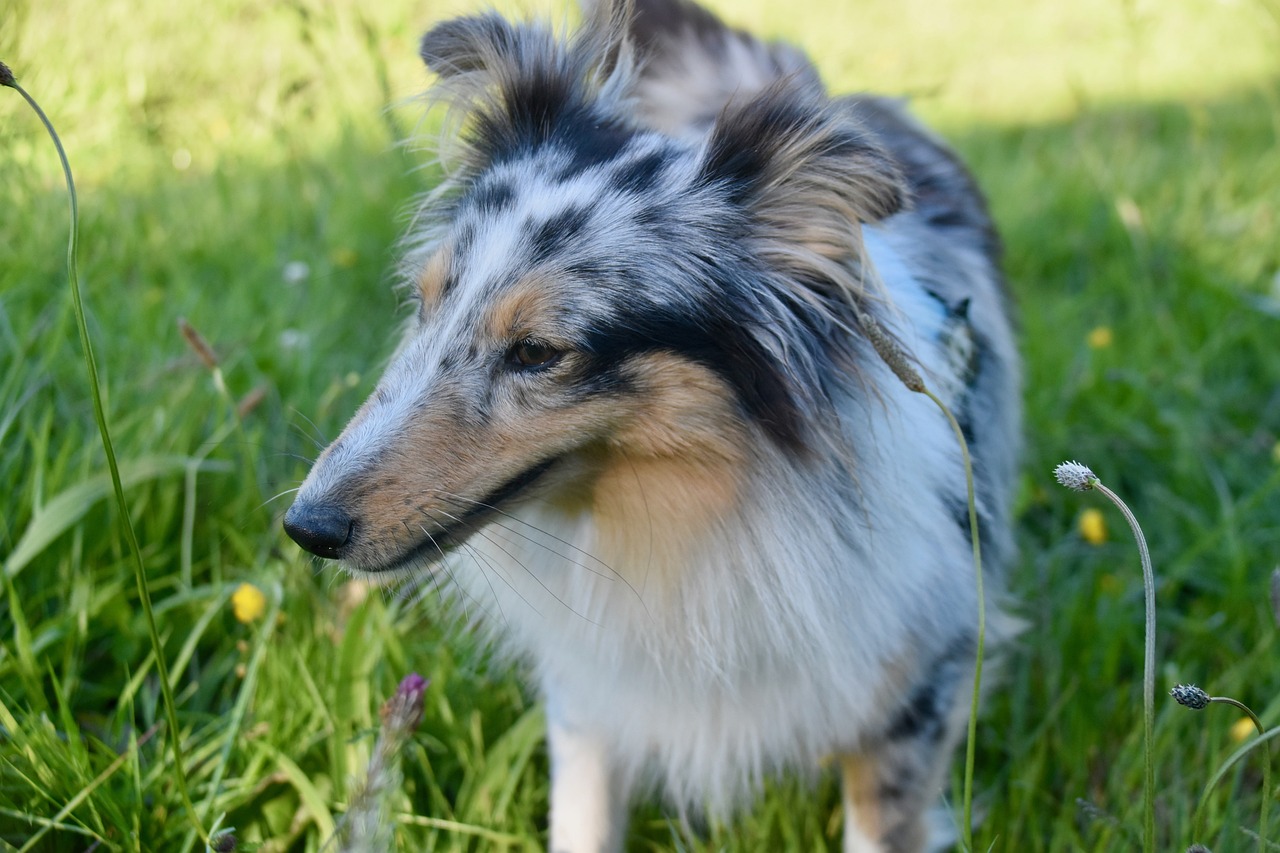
[{"x": 637, "y": 421}]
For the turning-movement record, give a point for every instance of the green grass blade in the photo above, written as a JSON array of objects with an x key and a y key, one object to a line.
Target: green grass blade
[{"x": 69, "y": 506}]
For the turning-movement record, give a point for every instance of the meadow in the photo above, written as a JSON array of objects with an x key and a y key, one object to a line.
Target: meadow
[{"x": 240, "y": 166}]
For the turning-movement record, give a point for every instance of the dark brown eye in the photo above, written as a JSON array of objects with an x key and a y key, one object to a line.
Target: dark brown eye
[{"x": 531, "y": 355}]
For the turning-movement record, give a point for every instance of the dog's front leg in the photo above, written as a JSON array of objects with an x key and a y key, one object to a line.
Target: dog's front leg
[{"x": 588, "y": 804}]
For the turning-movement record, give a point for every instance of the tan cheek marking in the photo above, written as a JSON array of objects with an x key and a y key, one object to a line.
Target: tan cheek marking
[
  {"x": 530, "y": 304},
  {"x": 433, "y": 277},
  {"x": 683, "y": 408},
  {"x": 679, "y": 465}
]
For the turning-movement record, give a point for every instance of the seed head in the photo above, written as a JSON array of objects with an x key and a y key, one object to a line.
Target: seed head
[
  {"x": 1077, "y": 477},
  {"x": 198, "y": 344},
  {"x": 888, "y": 350},
  {"x": 1190, "y": 696},
  {"x": 403, "y": 712},
  {"x": 6, "y": 76}
]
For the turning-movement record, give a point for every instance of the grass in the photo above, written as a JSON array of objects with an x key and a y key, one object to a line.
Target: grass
[{"x": 1129, "y": 151}]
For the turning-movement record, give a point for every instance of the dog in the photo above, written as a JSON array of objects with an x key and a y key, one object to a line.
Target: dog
[{"x": 641, "y": 429}]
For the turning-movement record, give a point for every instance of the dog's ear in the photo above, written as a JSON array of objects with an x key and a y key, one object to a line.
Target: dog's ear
[
  {"x": 690, "y": 64},
  {"x": 465, "y": 45},
  {"x": 489, "y": 42},
  {"x": 807, "y": 176},
  {"x": 513, "y": 87},
  {"x": 606, "y": 36},
  {"x": 786, "y": 155}
]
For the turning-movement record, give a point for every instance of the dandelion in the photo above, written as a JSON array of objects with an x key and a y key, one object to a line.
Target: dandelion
[
  {"x": 248, "y": 603},
  {"x": 1093, "y": 527},
  {"x": 1241, "y": 729},
  {"x": 1100, "y": 337}
]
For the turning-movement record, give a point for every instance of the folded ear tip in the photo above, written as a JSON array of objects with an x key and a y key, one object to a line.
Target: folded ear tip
[
  {"x": 460, "y": 45},
  {"x": 437, "y": 44},
  {"x": 792, "y": 137}
]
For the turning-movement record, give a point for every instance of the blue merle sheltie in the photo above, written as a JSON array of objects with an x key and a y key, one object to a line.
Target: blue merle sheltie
[{"x": 637, "y": 425}]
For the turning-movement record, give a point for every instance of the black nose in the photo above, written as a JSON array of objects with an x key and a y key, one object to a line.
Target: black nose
[{"x": 322, "y": 530}]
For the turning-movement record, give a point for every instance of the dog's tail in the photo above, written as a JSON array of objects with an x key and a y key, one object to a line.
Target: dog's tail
[{"x": 690, "y": 65}]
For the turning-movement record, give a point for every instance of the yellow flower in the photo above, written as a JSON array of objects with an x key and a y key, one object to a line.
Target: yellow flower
[
  {"x": 1093, "y": 527},
  {"x": 1100, "y": 338},
  {"x": 248, "y": 602},
  {"x": 1242, "y": 729}
]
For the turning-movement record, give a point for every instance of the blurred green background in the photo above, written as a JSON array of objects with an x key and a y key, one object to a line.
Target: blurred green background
[{"x": 247, "y": 166}]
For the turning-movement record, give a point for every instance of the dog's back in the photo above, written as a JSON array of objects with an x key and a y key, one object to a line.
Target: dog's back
[{"x": 639, "y": 418}]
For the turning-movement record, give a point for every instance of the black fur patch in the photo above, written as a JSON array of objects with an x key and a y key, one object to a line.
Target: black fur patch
[
  {"x": 924, "y": 714},
  {"x": 921, "y": 717},
  {"x": 558, "y": 231},
  {"x": 464, "y": 240},
  {"x": 544, "y": 108},
  {"x": 490, "y": 197},
  {"x": 641, "y": 175},
  {"x": 719, "y": 340}
]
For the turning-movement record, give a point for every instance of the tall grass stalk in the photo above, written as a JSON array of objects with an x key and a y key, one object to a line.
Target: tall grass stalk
[
  {"x": 1265, "y": 815},
  {"x": 1081, "y": 479},
  {"x": 1264, "y": 740},
  {"x": 889, "y": 350},
  {"x": 99, "y": 414},
  {"x": 971, "y": 742},
  {"x": 1190, "y": 696}
]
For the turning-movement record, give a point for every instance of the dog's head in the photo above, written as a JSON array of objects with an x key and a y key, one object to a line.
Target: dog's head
[{"x": 588, "y": 289}]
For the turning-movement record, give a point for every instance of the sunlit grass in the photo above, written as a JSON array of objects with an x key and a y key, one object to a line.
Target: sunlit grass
[{"x": 237, "y": 168}]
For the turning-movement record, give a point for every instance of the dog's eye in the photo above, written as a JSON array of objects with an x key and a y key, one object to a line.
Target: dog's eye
[{"x": 532, "y": 355}]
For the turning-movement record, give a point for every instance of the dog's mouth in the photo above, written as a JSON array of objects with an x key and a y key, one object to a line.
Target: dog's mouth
[{"x": 454, "y": 530}]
